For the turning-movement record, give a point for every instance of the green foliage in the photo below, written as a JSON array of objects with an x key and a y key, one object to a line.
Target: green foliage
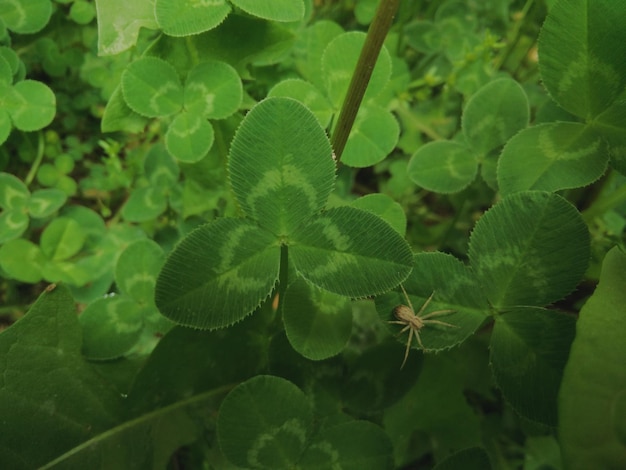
[
  {"x": 232, "y": 265},
  {"x": 591, "y": 409},
  {"x": 266, "y": 422},
  {"x": 444, "y": 293}
]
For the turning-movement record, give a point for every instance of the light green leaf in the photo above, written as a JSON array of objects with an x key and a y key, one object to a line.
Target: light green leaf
[
  {"x": 264, "y": 422},
  {"x": 384, "y": 207},
  {"x": 11, "y": 58},
  {"x": 189, "y": 137},
  {"x": 587, "y": 76},
  {"x": 424, "y": 36},
  {"x": 47, "y": 387},
  {"x": 160, "y": 167},
  {"x": 82, "y": 12},
  {"x": 273, "y": 10},
  {"x": 365, "y": 11},
  {"x": 119, "y": 117},
  {"x": 355, "y": 445},
  {"x": 213, "y": 89},
  {"x": 443, "y": 166},
  {"x": 45, "y": 202},
  {"x": 111, "y": 327},
  {"x": 374, "y": 135},
  {"x": 25, "y": 16},
  {"x": 453, "y": 287},
  {"x": 145, "y": 204},
  {"x": 350, "y": 252},
  {"x": 218, "y": 274},
  {"x": 280, "y": 165},
  {"x": 551, "y": 157},
  {"x": 13, "y": 223},
  {"x": 318, "y": 323},
  {"x": 307, "y": 94},
  {"x": 137, "y": 269},
  {"x": 62, "y": 239},
  {"x": 13, "y": 193},
  {"x": 592, "y": 399},
  {"x": 177, "y": 18},
  {"x": 6, "y": 74},
  {"x": 532, "y": 248},
  {"x": 152, "y": 88},
  {"x": 528, "y": 350},
  {"x": 22, "y": 260},
  {"x": 495, "y": 113},
  {"x": 31, "y": 105},
  {"x": 309, "y": 49},
  {"x": 338, "y": 64},
  {"x": 5, "y": 126},
  {"x": 119, "y": 22}
]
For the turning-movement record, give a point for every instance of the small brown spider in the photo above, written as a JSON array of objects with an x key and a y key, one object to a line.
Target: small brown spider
[{"x": 414, "y": 322}]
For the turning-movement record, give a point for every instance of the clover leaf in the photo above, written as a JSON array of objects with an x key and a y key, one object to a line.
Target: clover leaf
[{"x": 281, "y": 172}]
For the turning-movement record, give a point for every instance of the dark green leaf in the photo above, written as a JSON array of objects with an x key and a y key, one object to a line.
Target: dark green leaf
[
  {"x": 137, "y": 269},
  {"x": 529, "y": 348},
  {"x": 111, "y": 327},
  {"x": 474, "y": 458},
  {"x": 592, "y": 403},
  {"x": 355, "y": 445},
  {"x": 586, "y": 76},
  {"x": 453, "y": 287},
  {"x": 280, "y": 165},
  {"x": 218, "y": 274},
  {"x": 50, "y": 400},
  {"x": 264, "y": 422},
  {"x": 532, "y": 248},
  {"x": 550, "y": 157},
  {"x": 350, "y": 252},
  {"x": 318, "y": 323}
]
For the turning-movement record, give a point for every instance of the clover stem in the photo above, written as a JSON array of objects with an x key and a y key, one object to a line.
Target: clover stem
[
  {"x": 360, "y": 78},
  {"x": 37, "y": 163}
]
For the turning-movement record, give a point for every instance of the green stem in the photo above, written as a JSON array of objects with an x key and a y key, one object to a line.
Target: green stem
[
  {"x": 37, "y": 163},
  {"x": 501, "y": 59},
  {"x": 604, "y": 204},
  {"x": 361, "y": 76}
]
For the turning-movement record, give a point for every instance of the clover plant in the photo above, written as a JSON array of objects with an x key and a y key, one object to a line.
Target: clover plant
[{"x": 357, "y": 234}]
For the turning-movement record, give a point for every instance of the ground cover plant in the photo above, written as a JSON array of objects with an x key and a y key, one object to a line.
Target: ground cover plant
[{"x": 298, "y": 234}]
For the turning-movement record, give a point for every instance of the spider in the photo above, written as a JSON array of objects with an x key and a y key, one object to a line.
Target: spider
[{"x": 414, "y": 322}]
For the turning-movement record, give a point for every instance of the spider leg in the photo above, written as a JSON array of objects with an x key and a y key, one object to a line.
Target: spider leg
[
  {"x": 408, "y": 346},
  {"x": 437, "y": 322},
  {"x": 436, "y": 314}
]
